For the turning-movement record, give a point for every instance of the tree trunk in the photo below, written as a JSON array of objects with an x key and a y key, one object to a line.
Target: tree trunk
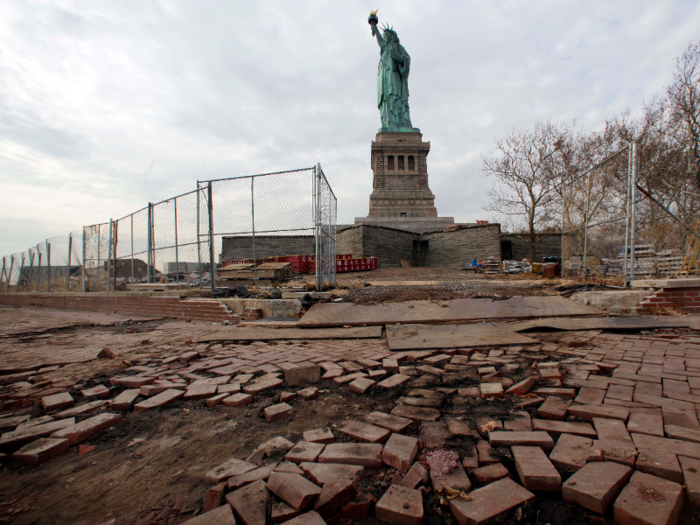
[{"x": 532, "y": 242}]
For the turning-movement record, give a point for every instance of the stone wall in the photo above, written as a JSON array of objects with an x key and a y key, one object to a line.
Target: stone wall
[
  {"x": 389, "y": 246},
  {"x": 458, "y": 247},
  {"x": 546, "y": 245},
  {"x": 241, "y": 247}
]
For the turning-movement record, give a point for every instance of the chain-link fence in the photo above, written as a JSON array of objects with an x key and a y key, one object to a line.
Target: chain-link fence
[{"x": 244, "y": 224}]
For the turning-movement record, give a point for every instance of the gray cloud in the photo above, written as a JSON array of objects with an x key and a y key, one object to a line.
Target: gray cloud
[{"x": 91, "y": 93}]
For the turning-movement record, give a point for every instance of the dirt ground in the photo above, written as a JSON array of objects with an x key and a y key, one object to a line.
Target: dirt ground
[{"x": 406, "y": 284}]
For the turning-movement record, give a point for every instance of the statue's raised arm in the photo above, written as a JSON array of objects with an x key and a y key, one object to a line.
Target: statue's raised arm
[{"x": 373, "y": 21}]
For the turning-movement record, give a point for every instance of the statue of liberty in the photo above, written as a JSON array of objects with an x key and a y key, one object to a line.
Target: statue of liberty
[{"x": 392, "y": 80}]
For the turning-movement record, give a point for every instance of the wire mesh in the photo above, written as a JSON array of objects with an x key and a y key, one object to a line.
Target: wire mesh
[
  {"x": 291, "y": 213},
  {"x": 595, "y": 218}
]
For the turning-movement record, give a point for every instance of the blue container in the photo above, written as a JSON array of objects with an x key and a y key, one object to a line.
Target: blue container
[{"x": 473, "y": 262}]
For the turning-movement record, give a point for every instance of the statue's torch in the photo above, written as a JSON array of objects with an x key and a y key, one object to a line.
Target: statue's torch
[{"x": 373, "y": 21}]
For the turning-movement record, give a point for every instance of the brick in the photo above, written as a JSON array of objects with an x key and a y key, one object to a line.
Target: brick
[
  {"x": 490, "y": 504},
  {"x": 590, "y": 411},
  {"x": 362, "y": 506},
  {"x": 277, "y": 412},
  {"x": 393, "y": 423},
  {"x": 333, "y": 496},
  {"x": 617, "y": 451},
  {"x": 229, "y": 388},
  {"x": 400, "y": 506},
  {"x": 686, "y": 434},
  {"x": 648, "y": 500},
  {"x": 20, "y": 436},
  {"x": 132, "y": 381},
  {"x": 250, "y": 503},
  {"x": 228, "y": 469},
  {"x": 365, "y": 454},
  {"x": 659, "y": 463},
  {"x": 399, "y": 451},
  {"x": 533, "y": 439},
  {"x": 287, "y": 396},
  {"x": 304, "y": 451},
  {"x": 459, "y": 428},
  {"x": 238, "y": 400},
  {"x": 303, "y": 375},
  {"x": 550, "y": 374},
  {"x": 420, "y": 413},
  {"x": 263, "y": 385},
  {"x": 483, "y": 449},
  {"x": 565, "y": 392},
  {"x": 96, "y": 391},
  {"x": 676, "y": 446},
  {"x": 611, "y": 429},
  {"x": 199, "y": 391},
  {"x": 366, "y": 432},
  {"x": 691, "y": 479},
  {"x": 87, "y": 428},
  {"x": 554, "y": 408},
  {"x": 596, "y": 485},
  {"x": 213, "y": 498},
  {"x": 216, "y": 400},
  {"x": 288, "y": 466},
  {"x": 523, "y": 387},
  {"x": 236, "y": 482},
  {"x": 309, "y": 393},
  {"x": 276, "y": 445},
  {"x": 41, "y": 450},
  {"x": 320, "y": 435},
  {"x": 309, "y": 518},
  {"x": 564, "y": 427},
  {"x": 218, "y": 516},
  {"x": 162, "y": 399},
  {"x": 124, "y": 400},
  {"x": 57, "y": 401},
  {"x": 293, "y": 489},
  {"x": 341, "y": 380},
  {"x": 322, "y": 473},
  {"x": 361, "y": 385},
  {"x": 535, "y": 470},
  {"x": 590, "y": 396},
  {"x": 642, "y": 423},
  {"x": 415, "y": 476},
  {"x": 456, "y": 479},
  {"x": 390, "y": 364},
  {"x": 490, "y": 473},
  {"x": 434, "y": 434},
  {"x": 393, "y": 381},
  {"x": 374, "y": 374},
  {"x": 487, "y": 390}
]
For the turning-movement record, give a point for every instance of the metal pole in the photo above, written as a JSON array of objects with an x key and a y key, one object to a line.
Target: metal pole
[
  {"x": 48, "y": 266},
  {"x": 3, "y": 269},
  {"x": 132, "y": 248},
  {"x": 210, "y": 208},
  {"x": 564, "y": 209},
  {"x": 115, "y": 242},
  {"x": 99, "y": 254},
  {"x": 625, "y": 265},
  {"x": 633, "y": 204},
  {"x": 177, "y": 255},
  {"x": 84, "y": 283},
  {"x": 9, "y": 277},
  {"x": 70, "y": 255},
  {"x": 199, "y": 239},
  {"x": 31, "y": 267},
  {"x": 317, "y": 199},
  {"x": 109, "y": 253},
  {"x": 252, "y": 212},
  {"x": 21, "y": 271},
  {"x": 38, "y": 278},
  {"x": 585, "y": 224},
  {"x": 149, "y": 241}
]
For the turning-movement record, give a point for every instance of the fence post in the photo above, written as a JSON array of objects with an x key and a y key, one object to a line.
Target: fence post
[
  {"x": 3, "y": 269},
  {"x": 177, "y": 255},
  {"x": 48, "y": 266},
  {"x": 585, "y": 225},
  {"x": 149, "y": 241},
  {"x": 9, "y": 277},
  {"x": 38, "y": 267},
  {"x": 625, "y": 265},
  {"x": 633, "y": 204},
  {"x": 115, "y": 242},
  {"x": 252, "y": 212},
  {"x": 109, "y": 253},
  {"x": 210, "y": 208},
  {"x": 84, "y": 262},
  {"x": 31, "y": 268},
  {"x": 70, "y": 255},
  {"x": 131, "y": 218},
  {"x": 317, "y": 231},
  {"x": 99, "y": 254},
  {"x": 199, "y": 238}
]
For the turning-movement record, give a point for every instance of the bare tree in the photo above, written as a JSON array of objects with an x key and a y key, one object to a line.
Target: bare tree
[{"x": 526, "y": 171}]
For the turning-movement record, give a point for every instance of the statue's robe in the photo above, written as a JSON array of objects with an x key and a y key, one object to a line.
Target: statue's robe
[{"x": 392, "y": 86}]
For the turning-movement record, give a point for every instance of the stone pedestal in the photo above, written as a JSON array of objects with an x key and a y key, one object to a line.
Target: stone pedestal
[{"x": 401, "y": 197}]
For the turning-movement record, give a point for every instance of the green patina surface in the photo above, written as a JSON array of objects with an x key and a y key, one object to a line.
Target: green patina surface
[{"x": 392, "y": 81}]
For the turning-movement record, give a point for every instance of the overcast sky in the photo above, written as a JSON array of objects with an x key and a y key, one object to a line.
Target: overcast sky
[{"x": 105, "y": 106}]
